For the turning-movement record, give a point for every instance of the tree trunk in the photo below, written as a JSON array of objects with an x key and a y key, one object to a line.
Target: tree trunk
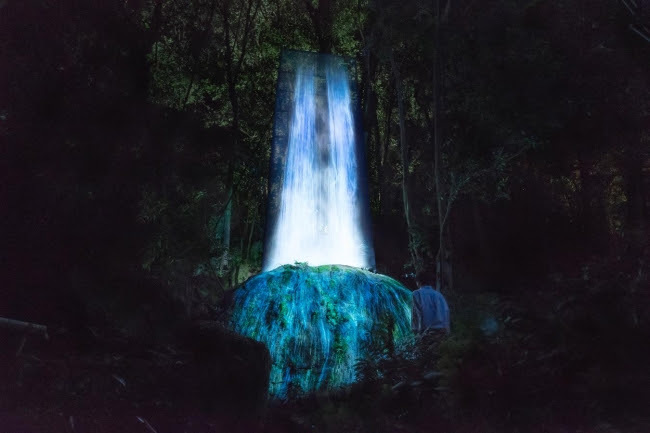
[
  {"x": 437, "y": 100},
  {"x": 384, "y": 146},
  {"x": 250, "y": 237},
  {"x": 322, "y": 20},
  {"x": 372, "y": 130},
  {"x": 379, "y": 156},
  {"x": 196, "y": 51},
  {"x": 233, "y": 69},
  {"x": 230, "y": 177},
  {"x": 443, "y": 257},
  {"x": 227, "y": 216},
  {"x": 405, "y": 164}
]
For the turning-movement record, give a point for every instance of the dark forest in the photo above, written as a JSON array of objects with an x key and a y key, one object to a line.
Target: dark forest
[{"x": 508, "y": 150}]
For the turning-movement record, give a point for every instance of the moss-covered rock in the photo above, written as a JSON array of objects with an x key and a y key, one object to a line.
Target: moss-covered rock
[{"x": 318, "y": 321}]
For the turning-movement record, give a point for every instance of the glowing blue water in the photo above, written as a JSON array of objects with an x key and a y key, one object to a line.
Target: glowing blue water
[
  {"x": 318, "y": 321},
  {"x": 320, "y": 219}
]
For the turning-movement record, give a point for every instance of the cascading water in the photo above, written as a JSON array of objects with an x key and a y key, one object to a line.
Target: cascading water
[
  {"x": 322, "y": 209},
  {"x": 320, "y": 316}
]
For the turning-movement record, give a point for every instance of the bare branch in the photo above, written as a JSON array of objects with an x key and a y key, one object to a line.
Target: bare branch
[
  {"x": 636, "y": 30},
  {"x": 26, "y": 327}
]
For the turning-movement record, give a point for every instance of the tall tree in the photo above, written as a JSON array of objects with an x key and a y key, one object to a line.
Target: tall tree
[
  {"x": 322, "y": 17},
  {"x": 237, "y": 19}
]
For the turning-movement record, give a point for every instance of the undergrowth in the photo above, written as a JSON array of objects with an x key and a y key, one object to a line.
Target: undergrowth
[{"x": 571, "y": 355}]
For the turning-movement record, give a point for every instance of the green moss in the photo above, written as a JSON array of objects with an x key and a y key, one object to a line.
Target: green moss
[
  {"x": 330, "y": 311},
  {"x": 318, "y": 321},
  {"x": 340, "y": 348}
]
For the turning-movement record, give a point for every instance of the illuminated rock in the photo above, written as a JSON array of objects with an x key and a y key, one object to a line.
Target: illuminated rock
[{"x": 318, "y": 321}]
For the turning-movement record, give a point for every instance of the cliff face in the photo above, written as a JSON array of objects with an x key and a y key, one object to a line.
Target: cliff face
[{"x": 318, "y": 321}]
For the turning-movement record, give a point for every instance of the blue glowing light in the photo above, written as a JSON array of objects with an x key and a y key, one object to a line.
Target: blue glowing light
[
  {"x": 320, "y": 214},
  {"x": 320, "y": 317},
  {"x": 319, "y": 321}
]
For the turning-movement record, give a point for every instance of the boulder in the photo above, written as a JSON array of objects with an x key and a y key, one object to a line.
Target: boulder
[
  {"x": 231, "y": 371},
  {"x": 319, "y": 321}
]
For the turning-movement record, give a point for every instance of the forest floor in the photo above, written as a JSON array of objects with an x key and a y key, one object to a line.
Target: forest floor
[{"x": 570, "y": 359}]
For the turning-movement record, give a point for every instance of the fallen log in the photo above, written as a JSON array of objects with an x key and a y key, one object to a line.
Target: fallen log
[{"x": 25, "y": 327}]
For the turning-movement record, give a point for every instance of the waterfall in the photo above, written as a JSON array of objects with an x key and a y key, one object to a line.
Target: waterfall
[
  {"x": 322, "y": 212},
  {"x": 318, "y": 317}
]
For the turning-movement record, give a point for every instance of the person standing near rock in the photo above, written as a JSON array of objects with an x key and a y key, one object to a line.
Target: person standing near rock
[{"x": 429, "y": 308}]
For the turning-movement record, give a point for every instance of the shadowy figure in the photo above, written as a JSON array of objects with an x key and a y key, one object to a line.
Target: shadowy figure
[{"x": 430, "y": 310}]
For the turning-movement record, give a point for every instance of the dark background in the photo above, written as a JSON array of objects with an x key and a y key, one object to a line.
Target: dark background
[{"x": 135, "y": 141}]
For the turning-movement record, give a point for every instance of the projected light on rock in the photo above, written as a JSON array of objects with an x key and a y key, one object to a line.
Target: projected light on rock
[
  {"x": 319, "y": 321},
  {"x": 320, "y": 214},
  {"x": 319, "y": 316}
]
